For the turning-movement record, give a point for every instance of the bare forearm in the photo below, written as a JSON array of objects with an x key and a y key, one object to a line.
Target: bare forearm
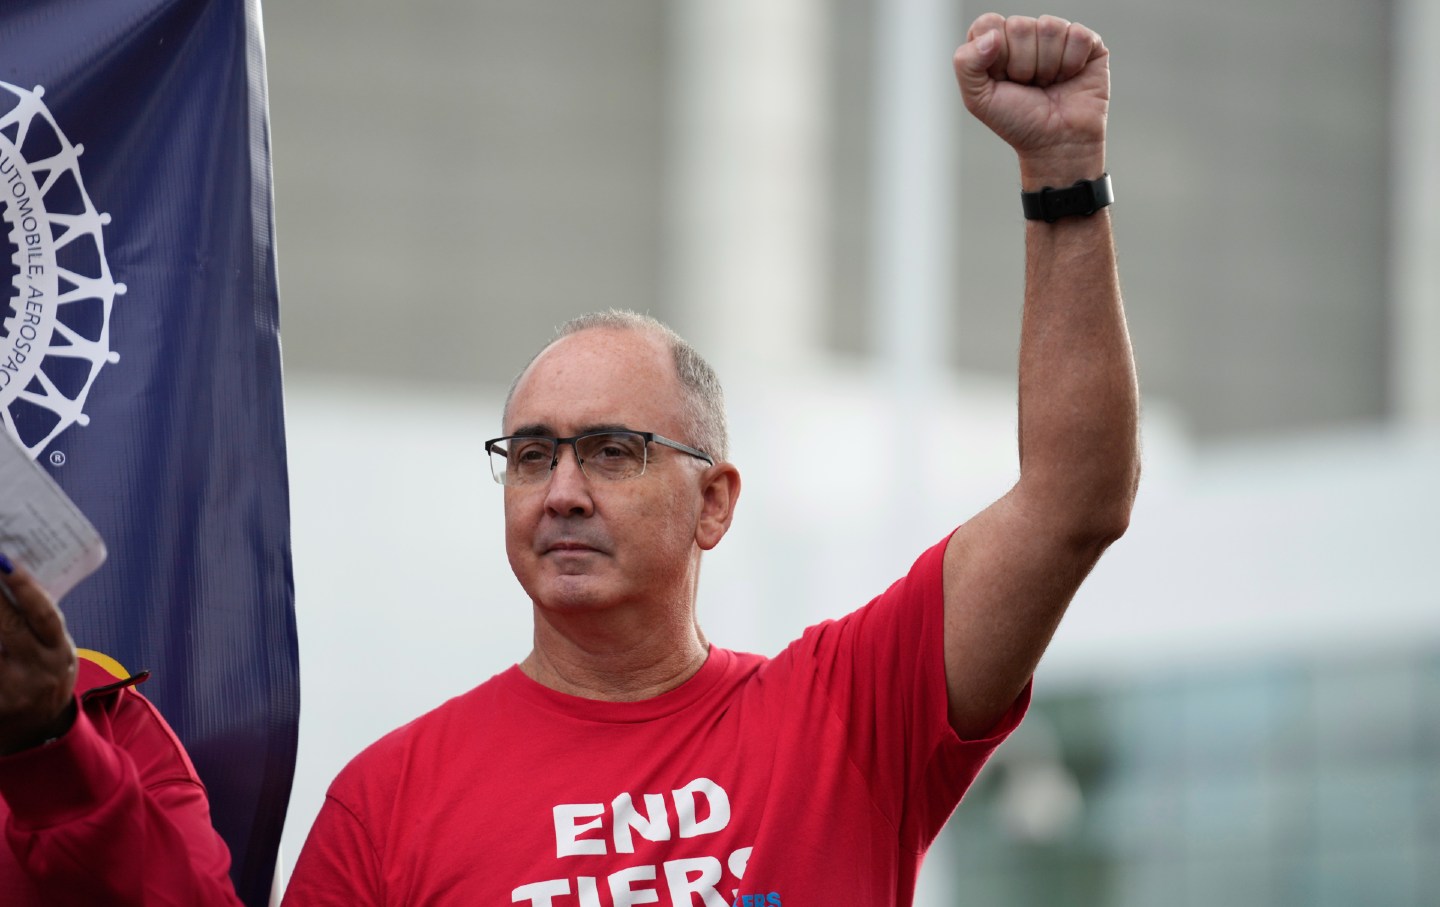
[{"x": 1078, "y": 398}]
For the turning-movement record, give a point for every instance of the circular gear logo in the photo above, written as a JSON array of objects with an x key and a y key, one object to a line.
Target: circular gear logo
[{"x": 55, "y": 333}]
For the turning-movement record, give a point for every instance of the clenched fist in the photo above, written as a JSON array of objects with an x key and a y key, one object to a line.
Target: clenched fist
[{"x": 1042, "y": 85}]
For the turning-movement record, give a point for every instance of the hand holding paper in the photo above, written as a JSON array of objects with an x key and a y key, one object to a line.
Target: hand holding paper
[{"x": 43, "y": 530}]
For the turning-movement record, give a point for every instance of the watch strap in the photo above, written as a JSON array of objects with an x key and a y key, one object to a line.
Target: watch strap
[{"x": 1082, "y": 198}]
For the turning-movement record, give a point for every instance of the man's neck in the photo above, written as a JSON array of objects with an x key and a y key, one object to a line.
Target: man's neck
[{"x": 584, "y": 657}]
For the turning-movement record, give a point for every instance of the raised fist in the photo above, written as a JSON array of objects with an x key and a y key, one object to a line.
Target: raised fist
[{"x": 1042, "y": 85}]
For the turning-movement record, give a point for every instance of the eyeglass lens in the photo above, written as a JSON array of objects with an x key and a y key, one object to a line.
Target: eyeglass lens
[{"x": 607, "y": 456}]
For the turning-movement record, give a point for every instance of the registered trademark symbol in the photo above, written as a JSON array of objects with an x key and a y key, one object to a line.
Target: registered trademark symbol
[{"x": 57, "y": 458}]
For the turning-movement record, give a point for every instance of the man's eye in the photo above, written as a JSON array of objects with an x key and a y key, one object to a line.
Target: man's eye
[
  {"x": 531, "y": 453},
  {"x": 615, "y": 448}
]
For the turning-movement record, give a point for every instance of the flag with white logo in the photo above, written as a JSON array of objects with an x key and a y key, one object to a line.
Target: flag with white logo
[{"x": 140, "y": 365}]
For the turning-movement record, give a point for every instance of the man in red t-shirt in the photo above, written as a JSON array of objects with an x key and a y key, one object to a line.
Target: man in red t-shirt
[
  {"x": 628, "y": 761},
  {"x": 99, "y": 803}
]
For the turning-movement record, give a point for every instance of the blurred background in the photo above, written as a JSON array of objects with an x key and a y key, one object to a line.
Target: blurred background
[{"x": 1242, "y": 706}]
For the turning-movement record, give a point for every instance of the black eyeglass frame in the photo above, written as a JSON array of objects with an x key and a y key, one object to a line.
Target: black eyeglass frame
[{"x": 649, "y": 436}]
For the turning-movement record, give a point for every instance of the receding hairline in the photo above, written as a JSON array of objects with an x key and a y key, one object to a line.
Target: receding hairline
[
  {"x": 700, "y": 386},
  {"x": 615, "y": 320}
]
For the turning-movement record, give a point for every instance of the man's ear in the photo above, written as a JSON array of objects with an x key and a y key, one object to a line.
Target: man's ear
[{"x": 720, "y": 488}]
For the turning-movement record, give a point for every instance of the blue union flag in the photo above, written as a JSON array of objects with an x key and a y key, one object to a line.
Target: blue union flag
[{"x": 140, "y": 362}]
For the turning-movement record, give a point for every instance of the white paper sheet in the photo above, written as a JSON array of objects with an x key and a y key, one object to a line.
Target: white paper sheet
[{"x": 40, "y": 527}]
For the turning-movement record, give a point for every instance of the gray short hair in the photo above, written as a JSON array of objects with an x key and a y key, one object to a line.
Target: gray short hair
[{"x": 704, "y": 398}]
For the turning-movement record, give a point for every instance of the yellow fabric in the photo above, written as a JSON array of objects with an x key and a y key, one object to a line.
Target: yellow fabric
[{"x": 111, "y": 666}]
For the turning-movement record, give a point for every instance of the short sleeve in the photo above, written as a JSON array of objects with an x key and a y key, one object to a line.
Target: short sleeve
[{"x": 882, "y": 669}]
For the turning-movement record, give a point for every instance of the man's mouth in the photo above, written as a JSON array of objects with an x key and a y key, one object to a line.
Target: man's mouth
[{"x": 569, "y": 546}]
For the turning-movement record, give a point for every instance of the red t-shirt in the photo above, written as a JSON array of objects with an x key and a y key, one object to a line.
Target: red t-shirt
[
  {"x": 111, "y": 813},
  {"x": 817, "y": 777}
]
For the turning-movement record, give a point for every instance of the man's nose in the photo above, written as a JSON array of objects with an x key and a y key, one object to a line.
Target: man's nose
[{"x": 568, "y": 491}]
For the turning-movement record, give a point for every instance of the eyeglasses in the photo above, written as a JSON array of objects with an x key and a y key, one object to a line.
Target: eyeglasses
[{"x": 606, "y": 456}]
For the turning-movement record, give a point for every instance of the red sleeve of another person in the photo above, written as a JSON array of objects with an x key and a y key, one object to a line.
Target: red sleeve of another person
[{"x": 111, "y": 813}]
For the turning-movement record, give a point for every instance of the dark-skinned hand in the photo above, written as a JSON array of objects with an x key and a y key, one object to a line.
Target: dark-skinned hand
[{"x": 37, "y": 665}]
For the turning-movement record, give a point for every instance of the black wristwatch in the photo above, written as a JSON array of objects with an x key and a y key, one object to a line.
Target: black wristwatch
[{"x": 1083, "y": 198}]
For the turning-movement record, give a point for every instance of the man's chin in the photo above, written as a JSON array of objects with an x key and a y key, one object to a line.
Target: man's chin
[{"x": 571, "y": 592}]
